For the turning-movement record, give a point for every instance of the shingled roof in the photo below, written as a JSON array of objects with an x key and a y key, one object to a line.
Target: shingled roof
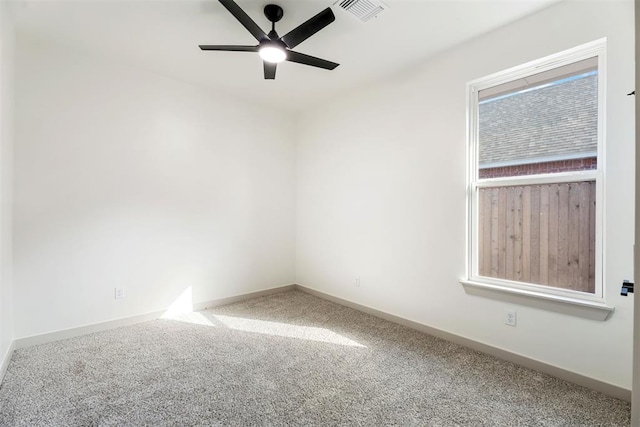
[{"x": 552, "y": 122}]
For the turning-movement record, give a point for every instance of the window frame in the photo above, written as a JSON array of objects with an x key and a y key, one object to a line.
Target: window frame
[{"x": 474, "y": 183}]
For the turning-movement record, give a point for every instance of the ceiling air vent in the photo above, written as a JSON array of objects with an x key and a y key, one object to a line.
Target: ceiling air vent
[{"x": 363, "y": 10}]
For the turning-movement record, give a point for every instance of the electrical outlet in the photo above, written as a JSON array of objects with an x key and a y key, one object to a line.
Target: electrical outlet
[
  {"x": 118, "y": 293},
  {"x": 357, "y": 282},
  {"x": 510, "y": 317}
]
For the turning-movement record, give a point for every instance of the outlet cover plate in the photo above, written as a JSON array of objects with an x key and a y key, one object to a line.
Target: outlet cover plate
[{"x": 510, "y": 317}]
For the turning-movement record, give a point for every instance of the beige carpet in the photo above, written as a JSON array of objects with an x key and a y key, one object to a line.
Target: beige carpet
[{"x": 284, "y": 359}]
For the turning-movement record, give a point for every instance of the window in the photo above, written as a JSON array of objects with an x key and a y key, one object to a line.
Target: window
[{"x": 536, "y": 171}]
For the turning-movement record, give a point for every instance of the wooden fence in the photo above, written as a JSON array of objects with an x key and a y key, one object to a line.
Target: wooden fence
[{"x": 543, "y": 234}]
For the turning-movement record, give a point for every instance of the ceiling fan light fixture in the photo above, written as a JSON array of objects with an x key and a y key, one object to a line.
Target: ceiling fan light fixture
[{"x": 272, "y": 54}]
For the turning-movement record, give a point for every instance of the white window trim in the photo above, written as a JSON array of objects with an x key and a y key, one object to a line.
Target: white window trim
[
  {"x": 526, "y": 290},
  {"x": 564, "y": 304}
]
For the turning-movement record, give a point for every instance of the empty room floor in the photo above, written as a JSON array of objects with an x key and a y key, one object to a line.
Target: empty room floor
[{"x": 285, "y": 359}]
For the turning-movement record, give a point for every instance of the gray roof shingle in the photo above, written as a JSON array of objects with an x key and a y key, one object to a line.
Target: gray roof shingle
[{"x": 553, "y": 121}]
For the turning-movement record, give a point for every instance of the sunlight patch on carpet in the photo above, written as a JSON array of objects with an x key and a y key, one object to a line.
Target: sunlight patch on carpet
[
  {"x": 286, "y": 330},
  {"x": 195, "y": 318}
]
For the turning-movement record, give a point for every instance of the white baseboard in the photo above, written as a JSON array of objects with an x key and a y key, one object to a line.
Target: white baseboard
[
  {"x": 519, "y": 359},
  {"x": 132, "y": 320},
  {"x": 4, "y": 362},
  {"x": 64, "y": 334}
]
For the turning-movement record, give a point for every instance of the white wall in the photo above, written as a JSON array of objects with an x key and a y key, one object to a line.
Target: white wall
[
  {"x": 128, "y": 179},
  {"x": 381, "y": 194},
  {"x": 6, "y": 143}
]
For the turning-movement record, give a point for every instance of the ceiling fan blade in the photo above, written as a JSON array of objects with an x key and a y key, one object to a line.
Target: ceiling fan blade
[
  {"x": 244, "y": 19},
  {"x": 229, "y": 48},
  {"x": 305, "y": 30},
  {"x": 269, "y": 70},
  {"x": 301, "y": 58}
]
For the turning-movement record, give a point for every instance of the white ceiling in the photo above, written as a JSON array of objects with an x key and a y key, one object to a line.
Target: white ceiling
[{"x": 163, "y": 37}]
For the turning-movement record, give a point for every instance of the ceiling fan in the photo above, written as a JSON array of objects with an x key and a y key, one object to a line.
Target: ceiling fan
[{"x": 273, "y": 48}]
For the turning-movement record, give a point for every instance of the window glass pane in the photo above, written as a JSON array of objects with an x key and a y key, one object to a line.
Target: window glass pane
[
  {"x": 545, "y": 123},
  {"x": 541, "y": 234}
]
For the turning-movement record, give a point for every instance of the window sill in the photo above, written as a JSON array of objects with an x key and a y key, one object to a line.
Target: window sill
[{"x": 567, "y": 305}]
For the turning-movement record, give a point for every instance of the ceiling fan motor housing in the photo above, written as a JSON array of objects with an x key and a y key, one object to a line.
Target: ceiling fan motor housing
[{"x": 273, "y": 12}]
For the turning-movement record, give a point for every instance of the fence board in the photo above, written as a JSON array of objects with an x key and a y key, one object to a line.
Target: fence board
[
  {"x": 592, "y": 237},
  {"x": 526, "y": 234},
  {"x": 509, "y": 247},
  {"x": 554, "y": 216},
  {"x": 534, "y": 243},
  {"x": 486, "y": 265},
  {"x": 563, "y": 234},
  {"x": 481, "y": 214},
  {"x": 573, "y": 239},
  {"x": 544, "y": 235},
  {"x": 517, "y": 233},
  {"x": 583, "y": 251},
  {"x": 494, "y": 231},
  {"x": 502, "y": 233}
]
